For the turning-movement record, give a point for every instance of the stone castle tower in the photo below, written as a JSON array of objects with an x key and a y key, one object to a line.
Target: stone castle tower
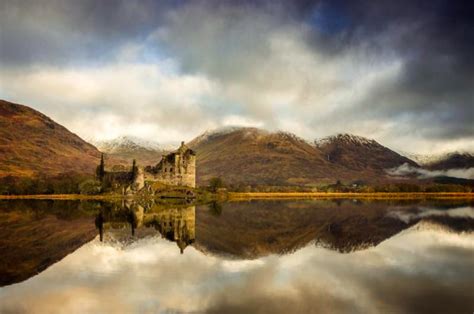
[{"x": 176, "y": 168}]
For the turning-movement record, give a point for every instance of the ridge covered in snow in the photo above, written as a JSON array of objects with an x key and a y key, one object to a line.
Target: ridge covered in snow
[
  {"x": 293, "y": 136},
  {"x": 130, "y": 143},
  {"x": 424, "y": 159},
  {"x": 345, "y": 138},
  {"x": 208, "y": 134}
]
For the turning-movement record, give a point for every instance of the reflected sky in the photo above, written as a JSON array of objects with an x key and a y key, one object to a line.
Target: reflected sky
[
  {"x": 420, "y": 270},
  {"x": 426, "y": 267}
]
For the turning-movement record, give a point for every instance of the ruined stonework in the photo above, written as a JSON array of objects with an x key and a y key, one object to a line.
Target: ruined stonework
[
  {"x": 125, "y": 180},
  {"x": 175, "y": 224},
  {"x": 177, "y": 168}
]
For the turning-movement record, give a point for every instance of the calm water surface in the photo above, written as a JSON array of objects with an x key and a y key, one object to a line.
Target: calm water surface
[{"x": 331, "y": 256}]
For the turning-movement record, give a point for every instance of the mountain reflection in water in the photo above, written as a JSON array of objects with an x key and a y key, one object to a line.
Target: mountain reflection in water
[{"x": 260, "y": 256}]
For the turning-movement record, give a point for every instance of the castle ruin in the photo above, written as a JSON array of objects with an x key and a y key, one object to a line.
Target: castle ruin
[
  {"x": 177, "y": 168},
  {"x": 176, "y": 224}
]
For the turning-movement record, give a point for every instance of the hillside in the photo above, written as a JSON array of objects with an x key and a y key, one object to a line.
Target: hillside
[
  {"x": 452, "y": 161},
  {"x": 33, "y": 144},
  {"x": 360, "y": 153},
  {"x": 254, "y": 156}
]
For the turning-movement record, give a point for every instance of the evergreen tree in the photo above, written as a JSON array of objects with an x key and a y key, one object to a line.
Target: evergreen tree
[
  {"x": 100, "y": 172},
  {"x": 215, "y": 184},
  {"x": 134, "y": 170}
]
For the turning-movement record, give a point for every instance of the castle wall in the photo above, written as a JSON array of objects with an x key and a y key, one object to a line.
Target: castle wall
[
  {"x": 125, "y": 179},
  {"x": 175, "y": 224},
  {"x": 179, "y": 221},
  {"x": 177, "y": 168}
]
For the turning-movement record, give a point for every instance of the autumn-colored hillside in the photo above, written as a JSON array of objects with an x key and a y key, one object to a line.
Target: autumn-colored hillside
[
  {"x": 360, "y": 153},
  {"x": 453, "y": 161},
  {"x": 254, "y": 156},
  {"x": 32, "y": 144}
]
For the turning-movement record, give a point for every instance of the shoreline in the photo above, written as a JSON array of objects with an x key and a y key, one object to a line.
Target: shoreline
[
  {"x": 332, "y": 195},
  {"x": 63, "y": 197},
  {"x": 267, "y": 195}
]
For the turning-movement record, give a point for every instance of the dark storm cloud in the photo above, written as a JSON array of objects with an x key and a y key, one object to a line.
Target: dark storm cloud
[
  {"x": 60, "y": 31},
  {"x": 435, "y": 40},
  {"x": 310, "y": 67},
  {"x": 89, "y": 31}
]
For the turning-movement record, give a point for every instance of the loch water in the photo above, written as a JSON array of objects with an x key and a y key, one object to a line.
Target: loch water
[{"x": 272, "y": 256}]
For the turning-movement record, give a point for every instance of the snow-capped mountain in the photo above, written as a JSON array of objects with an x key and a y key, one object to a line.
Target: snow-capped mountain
[
  {"x": 212, "y": 133},
  {"x": 248, "y": 131},
  {"x": 345, "y": 138},
  {"x": 422, "y": 159},
  {"x": 452, "y": 160},
  {"x": 130, "y": 147},
  {"x": 122, "y": 143},
  {"x": 357, "y": 152},
  {"x": 455, "y": 160},
  {"x": 254, "y": 156}
]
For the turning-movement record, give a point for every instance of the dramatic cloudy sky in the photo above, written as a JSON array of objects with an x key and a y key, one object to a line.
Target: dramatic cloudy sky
[{"x": 401, "y": 72}]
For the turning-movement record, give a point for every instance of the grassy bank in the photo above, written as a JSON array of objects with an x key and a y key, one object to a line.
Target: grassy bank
[
  {"x": 324, "y": 195},
  {"x": 264, "y": 195},
  {"x": 63, "y": 197}
]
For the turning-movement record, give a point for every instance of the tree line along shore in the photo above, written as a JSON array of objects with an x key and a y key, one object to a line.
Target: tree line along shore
[{"x": 80, "y": 186}]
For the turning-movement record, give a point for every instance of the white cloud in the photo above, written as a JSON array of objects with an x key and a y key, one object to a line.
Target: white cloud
[
  {"x": 139, "y": 99},
  {"x": 458, "y": 212},
  {"x": 204, "y": 66},
  {"x": 152, "y": 276}
]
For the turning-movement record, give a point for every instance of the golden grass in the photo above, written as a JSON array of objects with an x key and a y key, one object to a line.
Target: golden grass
[
  {"x": 62, "y": 197},
  {"x": 269, "y": 195},
  {"x": 328, "y": 195}
]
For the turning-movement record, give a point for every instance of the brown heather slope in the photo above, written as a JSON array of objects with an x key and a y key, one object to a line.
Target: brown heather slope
[
  {"x": 453, "y": 161},
  {"x": 33, "y": 144},
  {"x": 254, "y": 156},
  {"x": 360, "y": 153}
]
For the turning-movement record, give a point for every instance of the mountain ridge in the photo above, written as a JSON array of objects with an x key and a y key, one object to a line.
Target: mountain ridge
[
  {"x": 360, "y": 153},
  {"x": 33, "y": 144},
  {"x": 250, "y": 155},
  {"x": 454, "y": 160},
  {"x": 128, "y": 148}
]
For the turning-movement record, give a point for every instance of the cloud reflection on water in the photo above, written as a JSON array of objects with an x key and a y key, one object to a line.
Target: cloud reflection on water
[{"x": 418, "y": 270}]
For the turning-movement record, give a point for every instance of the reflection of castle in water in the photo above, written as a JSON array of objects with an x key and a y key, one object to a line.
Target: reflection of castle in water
[{"x": 175, "y": 224}]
